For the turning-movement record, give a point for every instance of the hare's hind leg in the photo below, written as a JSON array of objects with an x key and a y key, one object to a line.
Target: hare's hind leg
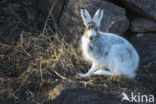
[
  {"x": 103, "y": 72},
  {"x": 94, "y": 67}
]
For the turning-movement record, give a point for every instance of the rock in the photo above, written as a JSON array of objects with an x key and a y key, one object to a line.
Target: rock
[
  {"x": 45, "y": 5},
  {"x": 62, "y": 86},
  {"x": 71, "y": 23},
  {"x": 84, "y": 96},
  {"x": 145, "y": 8},
  {"x": 29, "y": 16},
  {"x": 146, "y": 47},
  {"x": 143, "y": 25},
  {"x": 119, "y": 26},
  {"x": 8, "y": 101},
  {"x": 145, "y": 44}
]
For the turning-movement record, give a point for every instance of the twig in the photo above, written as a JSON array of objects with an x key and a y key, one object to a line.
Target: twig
[
  {"x": 22, "y": 83},
  {"x": 47, "y": 19},
  {"x": 21, "y": 40},
  {"x": 5, "y": 45},
  {"x": 59, "y": 75},
  {"x": 41, "y": 71}
]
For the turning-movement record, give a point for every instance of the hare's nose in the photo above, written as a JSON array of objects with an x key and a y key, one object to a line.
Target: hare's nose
[{"x": 91, "y": 38}]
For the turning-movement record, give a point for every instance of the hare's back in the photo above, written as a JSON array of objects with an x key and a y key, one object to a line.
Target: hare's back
[
  {"x": 111, "y": 39},
  {"x": 119, "y": 45},
  {"x": 122, "y": 51}
]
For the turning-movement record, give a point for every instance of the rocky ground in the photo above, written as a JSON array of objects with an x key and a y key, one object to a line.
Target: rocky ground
[{"x": 40, "y": 56}]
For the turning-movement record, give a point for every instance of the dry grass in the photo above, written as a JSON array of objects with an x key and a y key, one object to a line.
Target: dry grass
[{"x": 37, "y": 62}]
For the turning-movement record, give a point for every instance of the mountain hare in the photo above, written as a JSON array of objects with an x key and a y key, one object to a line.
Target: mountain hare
[{"x": 106, "y": 50}]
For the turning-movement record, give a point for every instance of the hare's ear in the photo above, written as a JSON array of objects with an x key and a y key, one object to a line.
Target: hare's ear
[
  {"x": 85, "y": 16},
  {"x": 98, "y": 17}
]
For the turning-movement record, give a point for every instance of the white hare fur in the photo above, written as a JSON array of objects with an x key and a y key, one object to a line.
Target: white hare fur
[{"x": 106, "y": 50}]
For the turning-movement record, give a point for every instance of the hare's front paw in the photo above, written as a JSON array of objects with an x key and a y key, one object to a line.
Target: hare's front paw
[{"x": 84, "y": 75}]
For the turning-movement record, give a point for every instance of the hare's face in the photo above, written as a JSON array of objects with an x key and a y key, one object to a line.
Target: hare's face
[
  {"x": 92, "y": 24},
  {"x": 91, "y": 31}
]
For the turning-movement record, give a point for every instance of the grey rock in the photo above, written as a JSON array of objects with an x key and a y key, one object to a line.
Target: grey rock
[
  {"x": 145, "y": 44},
  {"x": 119, "y": 26},
  {"x": 71, "y": 23},
  {"x": 145, "y": 8},
  {"x": 62, "y": 86},
  {"x": 143, "y": 25},
  {"x": 56, "y": 7},
  {"x": 77, "y": 95}
]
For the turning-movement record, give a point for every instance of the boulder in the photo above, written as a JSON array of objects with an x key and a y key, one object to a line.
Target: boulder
[
  {"x": 62, "y": 86},
  {"x": 145, "y": 44},
  {"x": 18, "y": 16},
  {"x": 143, "y": 25},
  {"x": 145, "y": 8},
  {"x": 56, "y": 7},
  {"x": 71, "y": 23},
  {"x": 72, "y": 93},
  {"x": 85, "y": 96}
]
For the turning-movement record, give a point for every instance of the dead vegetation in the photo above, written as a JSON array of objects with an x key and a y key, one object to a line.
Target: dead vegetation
[{"x": 37, "y": 62}]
